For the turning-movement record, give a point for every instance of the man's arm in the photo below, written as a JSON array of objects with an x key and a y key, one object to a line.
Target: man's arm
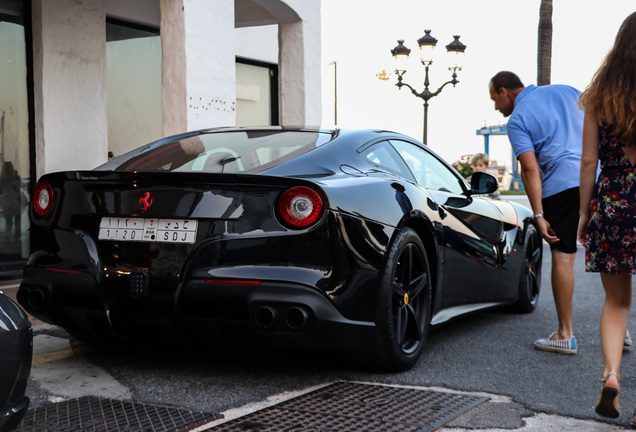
[{"x": 531, "y": 177}]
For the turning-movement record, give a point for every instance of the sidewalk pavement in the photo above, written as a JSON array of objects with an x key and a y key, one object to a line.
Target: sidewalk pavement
[{"x": 500, "y": 413}]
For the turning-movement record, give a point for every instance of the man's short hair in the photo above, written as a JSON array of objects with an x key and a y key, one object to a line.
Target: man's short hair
[{"x": 507, "y": 80}]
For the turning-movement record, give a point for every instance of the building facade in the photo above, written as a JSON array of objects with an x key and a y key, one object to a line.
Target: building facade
[{"x": 84, "y": 79}]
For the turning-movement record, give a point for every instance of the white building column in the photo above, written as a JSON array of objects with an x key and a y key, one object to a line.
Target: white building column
[
  {"x": 69, "y": 47},
  {"x": 300, "y": 66},
  {"x": 198, "y": 64}
]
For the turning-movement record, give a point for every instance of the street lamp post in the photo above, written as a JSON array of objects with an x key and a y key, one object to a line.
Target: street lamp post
[
  {"x": 335, "y": 91},
  {"x": 426, "y": 44}
]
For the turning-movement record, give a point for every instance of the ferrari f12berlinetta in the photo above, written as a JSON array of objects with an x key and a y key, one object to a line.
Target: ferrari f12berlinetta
[{"x": 354, "y": 240}]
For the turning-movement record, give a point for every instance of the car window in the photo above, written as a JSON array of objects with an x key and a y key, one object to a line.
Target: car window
[
  {"x": 428, "y": 170},
  {"x": 226, "y": 152},
  {"x": 384, "y": 155}
]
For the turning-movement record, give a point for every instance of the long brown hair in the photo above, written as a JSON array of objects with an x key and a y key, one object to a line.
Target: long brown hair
[{"x": 611, "y": 96}]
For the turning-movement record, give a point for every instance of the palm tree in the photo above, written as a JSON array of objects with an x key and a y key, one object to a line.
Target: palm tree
[{"x": 544, "y": 47}]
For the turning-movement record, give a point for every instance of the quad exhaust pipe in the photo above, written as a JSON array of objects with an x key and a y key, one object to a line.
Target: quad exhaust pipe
[
  {"x": 33, "y": 299},
  {"x": 266, "y": 317},
  {"x": 295, "y": 318}
]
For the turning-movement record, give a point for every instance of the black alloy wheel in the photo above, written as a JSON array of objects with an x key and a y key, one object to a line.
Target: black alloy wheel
[
  {"x": 404, "y": 305},
  {"x": 530, "y": 277}
]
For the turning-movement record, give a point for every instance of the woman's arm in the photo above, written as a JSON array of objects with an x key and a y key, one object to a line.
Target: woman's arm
[{"x": 589, "y": 164}]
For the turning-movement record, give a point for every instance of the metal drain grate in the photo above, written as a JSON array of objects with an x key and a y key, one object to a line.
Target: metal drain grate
[
  {"x": 351, "y": 407},
  {"x": 93, "y": 414}
]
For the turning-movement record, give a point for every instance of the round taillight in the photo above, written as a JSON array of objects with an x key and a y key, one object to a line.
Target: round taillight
[
  {"x": 42, "y": 198},
  {"x": 300, "y": 207}
]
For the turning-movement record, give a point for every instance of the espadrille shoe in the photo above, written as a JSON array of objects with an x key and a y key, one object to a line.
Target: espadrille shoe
[{"x": 565, "y": 346}]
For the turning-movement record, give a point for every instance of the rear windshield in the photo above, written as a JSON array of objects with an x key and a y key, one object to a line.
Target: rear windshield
[{"x": 224, "y": 152}]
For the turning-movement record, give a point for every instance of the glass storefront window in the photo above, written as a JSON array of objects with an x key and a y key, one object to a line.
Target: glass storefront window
[
  {"x": 14, "y": 138},
  {"x": 256, "y": 94},
  {"x": 133, "y": 58}
]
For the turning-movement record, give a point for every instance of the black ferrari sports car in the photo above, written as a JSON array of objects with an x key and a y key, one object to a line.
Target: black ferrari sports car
[
  {"x": 352, "y": 240},
  {"x": 16, "y": 350}
]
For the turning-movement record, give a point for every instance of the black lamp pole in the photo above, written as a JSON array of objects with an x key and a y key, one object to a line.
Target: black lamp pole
[{"x": 400, "y": 52}]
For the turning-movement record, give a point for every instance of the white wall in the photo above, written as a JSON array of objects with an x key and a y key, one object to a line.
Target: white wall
[
  {"x": 266, "y": 48},
  {"x": 297, "y": 52},
  {"x": 198, "y": 64},
  {"x": 70, "y": 79},
  {"x": 300, "y": 66},
  {"x": 199, "y": 45}
]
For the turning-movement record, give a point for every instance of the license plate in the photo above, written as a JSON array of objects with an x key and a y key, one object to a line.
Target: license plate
[{"x": 148, "y": 230}]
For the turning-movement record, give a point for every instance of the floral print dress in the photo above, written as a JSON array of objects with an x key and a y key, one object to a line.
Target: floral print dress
[{"x": 611, "y": 231}]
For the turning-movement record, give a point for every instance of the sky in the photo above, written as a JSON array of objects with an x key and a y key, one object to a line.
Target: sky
[{"x": 499, "y": 35}]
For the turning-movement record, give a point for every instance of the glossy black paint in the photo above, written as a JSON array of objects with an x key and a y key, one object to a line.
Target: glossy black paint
[
  {"x": 16, "y": 350},
  {"x": 248, "y": 278}
]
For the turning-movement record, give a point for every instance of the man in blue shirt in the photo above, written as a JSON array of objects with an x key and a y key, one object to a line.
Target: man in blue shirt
[{"x": 545, "y": 130}]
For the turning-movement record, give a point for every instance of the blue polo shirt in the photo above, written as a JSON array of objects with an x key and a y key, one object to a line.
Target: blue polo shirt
[{"x": 548, "y": 121}]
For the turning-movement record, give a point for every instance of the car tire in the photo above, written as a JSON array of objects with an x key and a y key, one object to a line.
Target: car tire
[
  {"x": 403, "y": 311},
  {"x": 530, "y": 277}
]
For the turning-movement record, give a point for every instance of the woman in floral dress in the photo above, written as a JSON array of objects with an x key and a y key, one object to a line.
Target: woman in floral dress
[{"x": 607, "y": 223}]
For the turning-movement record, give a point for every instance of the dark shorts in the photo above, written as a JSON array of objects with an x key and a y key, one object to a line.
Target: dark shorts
[{"x": 562, "y": 212}]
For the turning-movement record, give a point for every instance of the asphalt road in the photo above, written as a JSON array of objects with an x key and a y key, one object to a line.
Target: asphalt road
[{"x": 488, "y": 352}]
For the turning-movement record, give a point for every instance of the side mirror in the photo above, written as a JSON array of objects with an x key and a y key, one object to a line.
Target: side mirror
[{"x": 483, "y": 183}]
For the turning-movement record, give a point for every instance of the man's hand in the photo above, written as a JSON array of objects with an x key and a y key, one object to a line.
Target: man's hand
[{"x": 546, "y": 231}]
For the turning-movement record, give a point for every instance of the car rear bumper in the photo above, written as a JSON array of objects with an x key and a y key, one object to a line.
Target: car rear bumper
[
  {"x": 233, "y": 312},
  {"x": 277, "y": 313}
]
